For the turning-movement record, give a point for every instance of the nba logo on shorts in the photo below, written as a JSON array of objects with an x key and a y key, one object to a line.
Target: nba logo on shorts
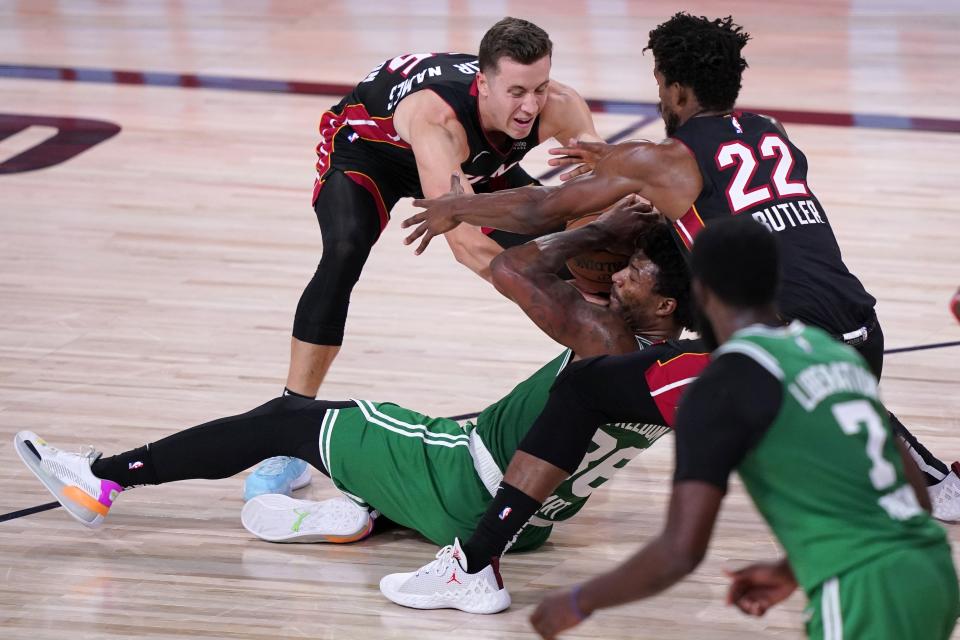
[
  {"x": 353, "y": 137},
  {"x": 506, "y": 511}
]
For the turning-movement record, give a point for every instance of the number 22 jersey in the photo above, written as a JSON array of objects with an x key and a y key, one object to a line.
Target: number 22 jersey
[{"x": 750, "y": 168}]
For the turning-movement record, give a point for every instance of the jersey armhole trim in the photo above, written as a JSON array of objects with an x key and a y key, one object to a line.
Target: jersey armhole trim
[{"x": 756, "y": 353}]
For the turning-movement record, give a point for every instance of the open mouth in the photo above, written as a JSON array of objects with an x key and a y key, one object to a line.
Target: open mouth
[{"x": 523, "y": 123}]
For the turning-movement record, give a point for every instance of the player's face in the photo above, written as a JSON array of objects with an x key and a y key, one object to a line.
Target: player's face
[
  {"x": 515, "y": 94},
  {"x": 667, "y": 105},
  {"x": 632, "y": 294}
]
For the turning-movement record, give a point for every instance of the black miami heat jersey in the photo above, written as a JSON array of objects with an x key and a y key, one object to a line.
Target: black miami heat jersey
[
  {"x": 357, "y": 135},
  {"x": 749, "y": 167}
]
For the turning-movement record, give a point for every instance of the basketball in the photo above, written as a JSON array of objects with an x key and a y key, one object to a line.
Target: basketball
[{"x": 593, "y": 271}]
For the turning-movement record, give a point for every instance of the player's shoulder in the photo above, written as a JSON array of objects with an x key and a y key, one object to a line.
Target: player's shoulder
[
  {"x": 563, "y": 106},
  {"x": 674, "y": 360},
  {"x": 426, "y": 107},
  {"x": 562, "y": 96}
]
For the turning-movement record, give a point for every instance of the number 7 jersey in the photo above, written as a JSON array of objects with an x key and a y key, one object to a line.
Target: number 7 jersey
[
  {"x": 750, "y": 168},
  {"x": 826, "y": 475}
]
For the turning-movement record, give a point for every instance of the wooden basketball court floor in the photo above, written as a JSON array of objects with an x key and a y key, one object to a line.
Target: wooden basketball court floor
[{"x": 148, "y": 284}]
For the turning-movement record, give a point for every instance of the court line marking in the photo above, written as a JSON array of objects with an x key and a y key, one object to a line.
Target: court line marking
[{"x": 300, "y": 87}]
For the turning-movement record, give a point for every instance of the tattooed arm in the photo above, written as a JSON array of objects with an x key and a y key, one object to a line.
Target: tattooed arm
[{"x": 527, "y": 274}]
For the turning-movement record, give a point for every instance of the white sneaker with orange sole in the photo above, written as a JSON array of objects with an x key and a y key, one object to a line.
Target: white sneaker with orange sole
[
  {"x": 69, "y": 478},
  {"x": 275, "y": 517}
]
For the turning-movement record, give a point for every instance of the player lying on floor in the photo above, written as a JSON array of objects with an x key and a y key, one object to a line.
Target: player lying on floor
[
  {"x": 433, "y": 475},
  {"x": 797, "y": 415}
]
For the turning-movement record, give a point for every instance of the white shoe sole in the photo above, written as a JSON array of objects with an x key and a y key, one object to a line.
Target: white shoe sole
[
  {"x": 275, "y": 517},
  {"x": 84, "y": 516}
]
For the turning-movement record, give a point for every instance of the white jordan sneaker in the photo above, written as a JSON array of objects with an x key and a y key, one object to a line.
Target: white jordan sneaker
[
  {"x": 445, "y": 584},
  {"x": 945, "y": 496},
  {"x": 278, "y": 518},
  {"x": 69, "y": 478}
]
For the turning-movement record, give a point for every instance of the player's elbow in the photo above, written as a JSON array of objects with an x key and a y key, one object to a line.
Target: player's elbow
[
  {"x": 469, "y": 256},
  {"x": 686, "y": 557},
  {"x": 688, "y": 561},
  {"x": 506, "y": 272}
]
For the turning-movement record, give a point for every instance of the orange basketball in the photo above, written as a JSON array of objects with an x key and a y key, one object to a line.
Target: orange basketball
[{"x": 593, "y": 271}]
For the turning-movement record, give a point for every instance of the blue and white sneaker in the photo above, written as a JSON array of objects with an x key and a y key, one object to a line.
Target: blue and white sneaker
[{"x": 281, "y": 474}]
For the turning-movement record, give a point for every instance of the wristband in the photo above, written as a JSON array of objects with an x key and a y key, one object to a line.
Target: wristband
[{"x": 581, "y": 616}]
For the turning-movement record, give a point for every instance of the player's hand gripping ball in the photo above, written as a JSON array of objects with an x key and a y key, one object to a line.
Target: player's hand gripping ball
[{"x": 624, "y": 220}]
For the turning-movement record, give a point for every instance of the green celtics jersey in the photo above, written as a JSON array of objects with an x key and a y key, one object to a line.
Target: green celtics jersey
[
  {"x": 827, "y": 475},
  {"x": 504, "y": 424}
]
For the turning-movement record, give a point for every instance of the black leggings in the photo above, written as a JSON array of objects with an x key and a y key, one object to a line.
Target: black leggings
[
  {"x": 934, "y": 470},
  {"x": 349, "y": 225},
  {"x": 285, "y": 426}
]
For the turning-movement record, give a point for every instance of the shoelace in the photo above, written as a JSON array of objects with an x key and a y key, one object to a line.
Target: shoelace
[
  {"x": 443, "y": 557},
  {"x": 90, "y": 453},
  {"x": 274, "y": 466}
]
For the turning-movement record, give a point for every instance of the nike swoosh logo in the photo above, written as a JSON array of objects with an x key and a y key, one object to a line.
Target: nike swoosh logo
[{"x": 478, "y": 155}]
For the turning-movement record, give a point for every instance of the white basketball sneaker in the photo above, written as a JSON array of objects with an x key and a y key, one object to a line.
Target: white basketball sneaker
[
  {"x": 279, "y": 518},
  {"x": 445, "y": 584},
  {"x": 945, "y": 496},
  {"x": 69, "y": 478}
]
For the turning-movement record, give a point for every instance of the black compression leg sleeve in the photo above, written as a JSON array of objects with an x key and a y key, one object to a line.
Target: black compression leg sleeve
[
  {"x": 350, "y": 225},
  {"x": 287, "y": 426},
  {"x": 588, "y": 394},
  {"x": 934, "y": 470}
]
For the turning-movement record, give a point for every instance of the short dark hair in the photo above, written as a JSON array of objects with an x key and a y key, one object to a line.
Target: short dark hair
[
  {"x": 514, "y": 38},
  {"x": 673, "y": 276},
  {"x": 738, "y": 259},
  {"x": 702, "y": 54}
]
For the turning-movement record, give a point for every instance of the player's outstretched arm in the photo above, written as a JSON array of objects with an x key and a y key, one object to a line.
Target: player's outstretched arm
[
  {"x": 583, "y": 155},
  {"x": 675, "y": 553},
  {"x": 538, "y": 209},
  {"x": 439, "y": 144},
  {"x": 527, "y": 274}
]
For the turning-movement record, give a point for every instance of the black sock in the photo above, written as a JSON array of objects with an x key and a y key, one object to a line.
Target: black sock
[
  {"x": 503, "y": 520},
  {"x": 130, "y": 469},
  {"x": 287, "y": 392}
]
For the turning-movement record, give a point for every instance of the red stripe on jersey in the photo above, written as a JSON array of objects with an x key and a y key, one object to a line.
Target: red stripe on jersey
[
  {"x": 367, "y": 183},
  {"x": 370, "y": 128},
  {"x": 330, "y": 125},
  {"x": 689, "y": 226},
  {"x": 667, "y": 381}
]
